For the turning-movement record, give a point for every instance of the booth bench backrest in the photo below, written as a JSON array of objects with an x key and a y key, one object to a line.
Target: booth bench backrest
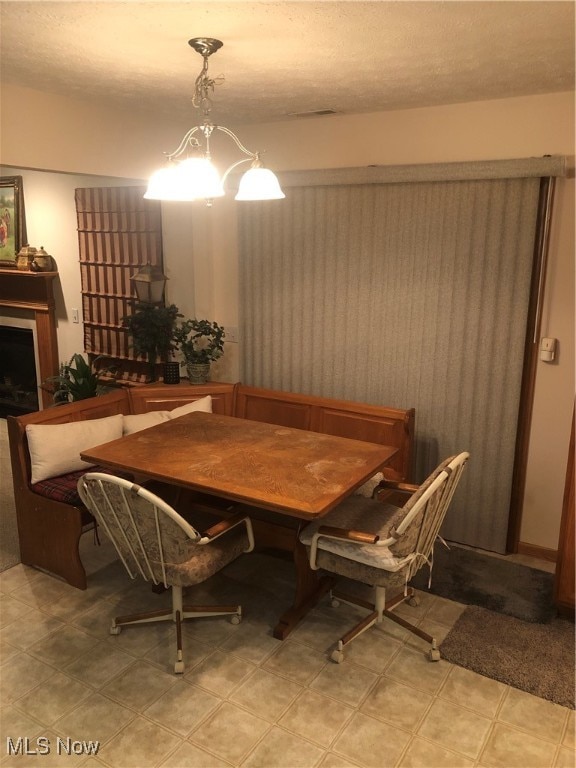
[{"x": 372, "y": 423}]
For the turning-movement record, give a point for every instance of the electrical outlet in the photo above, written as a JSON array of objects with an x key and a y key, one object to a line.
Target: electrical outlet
[{"x": 75, "y": 316}]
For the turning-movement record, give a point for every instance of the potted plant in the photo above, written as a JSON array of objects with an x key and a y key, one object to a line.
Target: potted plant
[
  {"x": 151, "y": 327},
  {"x": 76, "y": 380},
  {"x": 200, "y": 342}
]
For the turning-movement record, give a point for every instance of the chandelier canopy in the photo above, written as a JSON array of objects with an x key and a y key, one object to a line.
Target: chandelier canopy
[{"x": 190, "y": 173}]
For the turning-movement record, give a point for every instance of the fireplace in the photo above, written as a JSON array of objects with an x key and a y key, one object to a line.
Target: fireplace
[
  {"x": 28, "y": 300},
  {"x": 18, "y": 383}
]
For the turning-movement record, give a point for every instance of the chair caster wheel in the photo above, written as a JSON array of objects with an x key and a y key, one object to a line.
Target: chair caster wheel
[
  {"x": 179, "y": 667},
  {"x": 235, "y": 619},
  {"x": 414, "y": 601},
  {"x": 335, "y": 603},
  {"x": 114, "y": 630},
  {"x": 434, "y": 654},
  {"x": 337, "y": 656}
]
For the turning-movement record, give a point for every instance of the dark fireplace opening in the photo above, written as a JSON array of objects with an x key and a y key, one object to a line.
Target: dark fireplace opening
[{"x": 18, "y": 384}]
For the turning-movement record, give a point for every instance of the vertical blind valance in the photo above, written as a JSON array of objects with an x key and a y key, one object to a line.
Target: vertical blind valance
[
  {"x": 530, "y": 167},
  {"x": 406, "y": 295}
]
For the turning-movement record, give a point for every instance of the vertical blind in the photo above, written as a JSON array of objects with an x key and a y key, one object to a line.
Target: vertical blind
[
  {"x": 118, "y": 232},
  {"x": 406, "y": 295}
]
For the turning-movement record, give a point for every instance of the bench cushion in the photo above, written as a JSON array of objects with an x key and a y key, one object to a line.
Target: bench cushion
[{"x": 64, "y": 488}]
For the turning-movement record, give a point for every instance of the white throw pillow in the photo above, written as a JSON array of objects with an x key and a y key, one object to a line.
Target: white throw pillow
[
  {"x": 55, "y": 448},
  {"x": 203, "y": 404},
  {"x": 144, "y": 420}
]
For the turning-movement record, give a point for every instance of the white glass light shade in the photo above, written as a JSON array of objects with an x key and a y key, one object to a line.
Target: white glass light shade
[
  {"x": 192, "y": 179},
  {"x": 259, "y": 184}
]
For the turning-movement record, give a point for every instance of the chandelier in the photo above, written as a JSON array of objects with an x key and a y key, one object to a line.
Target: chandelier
[{"x": 190, "y": 173}]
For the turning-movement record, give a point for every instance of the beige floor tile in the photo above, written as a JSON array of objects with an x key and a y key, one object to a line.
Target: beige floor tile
[
  {"x": 182, "y": 707},
  {"x": 96, "y": 620},
  {"x": 29, "y": 628},
  {"x": 455, "y": 728},
  {"x": 254, "y": 642},
  {"x": 396, "y": 703},
  {"x": 316, "y": 717},
  {"x": 12, "y": 609},
  {"x": 265, "y": 694},
  {"x": 283, "y": 750},
  {"x": 332, "y": 760},
  {"x": 473, "y": 691},
  {"x": 370, "y": 742},
  {"x": 220, "y": 673},
  {"x": 163, "y": 655},
  {"x": 211, "y": 630},
  {"x": 14, "y": 723},
  {"x": 139, "y": 685},
  {"x": 100, "y": 664},
  {"x": 444, "y": 611},
  {"x": 141, "y": 744},
  {"x": 22, "y": 674},
  {"x": 18, "y": 576},
  {"x": 53, "y": 698},
  {"x": 7, "y": 652},
  {"x": 346, "y": 682},
  {"x": 323, "y": 627},
  {"x": 508, "y": 747},
  {"x": 188, "y": 755},
  {"x": 566, "y": 758},
  {"x": 42, "y": 590},
  {"x": 231, "y": 733},
  {"x": 295, "y": 661},
  {"x": 425, "y": 754},
  {"x": 413, "y": 667},
  {"x": 63, "y": 646},
  {"x": 536, "y": 716},
  {"x": 95, "y": 719},
  {"x": 569, "y": 739},
  {"x": 373, "y": 650}
]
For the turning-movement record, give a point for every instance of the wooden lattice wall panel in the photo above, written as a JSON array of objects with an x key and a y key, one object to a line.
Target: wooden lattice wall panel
[{"x": 118, "y": 232}]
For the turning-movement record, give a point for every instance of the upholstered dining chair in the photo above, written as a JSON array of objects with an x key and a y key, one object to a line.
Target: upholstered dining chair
[
  {"x": 372, "y": 541},
  {"x": 156, "y": 543}
]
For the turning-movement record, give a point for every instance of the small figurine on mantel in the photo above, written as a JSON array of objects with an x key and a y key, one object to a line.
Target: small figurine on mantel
[{"x": 43, "y": 262}]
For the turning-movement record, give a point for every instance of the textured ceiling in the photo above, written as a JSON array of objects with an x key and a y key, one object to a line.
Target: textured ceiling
[{"x": 281, "y": 58}]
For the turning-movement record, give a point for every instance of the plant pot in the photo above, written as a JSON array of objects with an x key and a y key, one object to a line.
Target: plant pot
[
  {"x": 198, "y": 372},
  {"x": 171, "y": 373}
]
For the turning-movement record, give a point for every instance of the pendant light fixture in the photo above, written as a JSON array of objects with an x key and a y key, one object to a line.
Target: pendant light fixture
[{"x": 190, "y": 173}]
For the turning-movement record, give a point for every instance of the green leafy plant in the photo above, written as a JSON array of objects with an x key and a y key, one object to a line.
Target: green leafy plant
[
  {"x": 78, "y": 379},
  {"x": 152, "y": 330},
  {"x": 200, "y": 341}
]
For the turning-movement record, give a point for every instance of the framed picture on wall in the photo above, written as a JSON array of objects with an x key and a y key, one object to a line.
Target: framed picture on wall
[{"x": 12, "y": 219}]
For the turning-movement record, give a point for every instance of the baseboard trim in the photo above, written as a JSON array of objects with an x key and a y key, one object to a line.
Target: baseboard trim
[{"x": 533, "y": 550}]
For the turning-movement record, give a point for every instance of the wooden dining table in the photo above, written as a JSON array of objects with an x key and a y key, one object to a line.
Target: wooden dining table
[{"x": 283, "y": 477}]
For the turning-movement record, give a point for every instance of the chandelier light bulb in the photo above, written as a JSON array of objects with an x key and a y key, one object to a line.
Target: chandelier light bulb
[{"x": 195, "y": 178}]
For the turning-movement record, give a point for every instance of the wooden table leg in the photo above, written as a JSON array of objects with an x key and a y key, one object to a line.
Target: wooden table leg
[{"x": 310, "y": 587}]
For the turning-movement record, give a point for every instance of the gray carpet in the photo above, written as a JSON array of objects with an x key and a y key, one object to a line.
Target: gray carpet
[
  {"x": 9, "y": 548},
  {"x": 537, "y": 658},
  {"x": 474, "y": 578}
]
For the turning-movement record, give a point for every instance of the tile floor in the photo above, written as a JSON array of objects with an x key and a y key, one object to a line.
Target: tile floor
[{"x": 246, "y": 699}]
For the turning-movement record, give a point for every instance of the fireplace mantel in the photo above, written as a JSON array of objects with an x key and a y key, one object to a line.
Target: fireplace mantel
[{"x": 34, "y": 291}]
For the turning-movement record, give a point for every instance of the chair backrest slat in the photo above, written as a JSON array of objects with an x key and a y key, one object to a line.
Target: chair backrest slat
[{"x": 147, "y": 533}]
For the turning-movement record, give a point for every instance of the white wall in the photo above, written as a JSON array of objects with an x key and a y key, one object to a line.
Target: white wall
[{"x": 201, "y": 252}]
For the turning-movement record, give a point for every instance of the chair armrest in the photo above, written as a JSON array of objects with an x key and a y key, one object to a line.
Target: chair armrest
[
  {"x": 224, "y": 526},
  {"x": 347, "y": 535},
  {"x": 392, "y": 485},
  {"x": 327, "y": 531}
]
